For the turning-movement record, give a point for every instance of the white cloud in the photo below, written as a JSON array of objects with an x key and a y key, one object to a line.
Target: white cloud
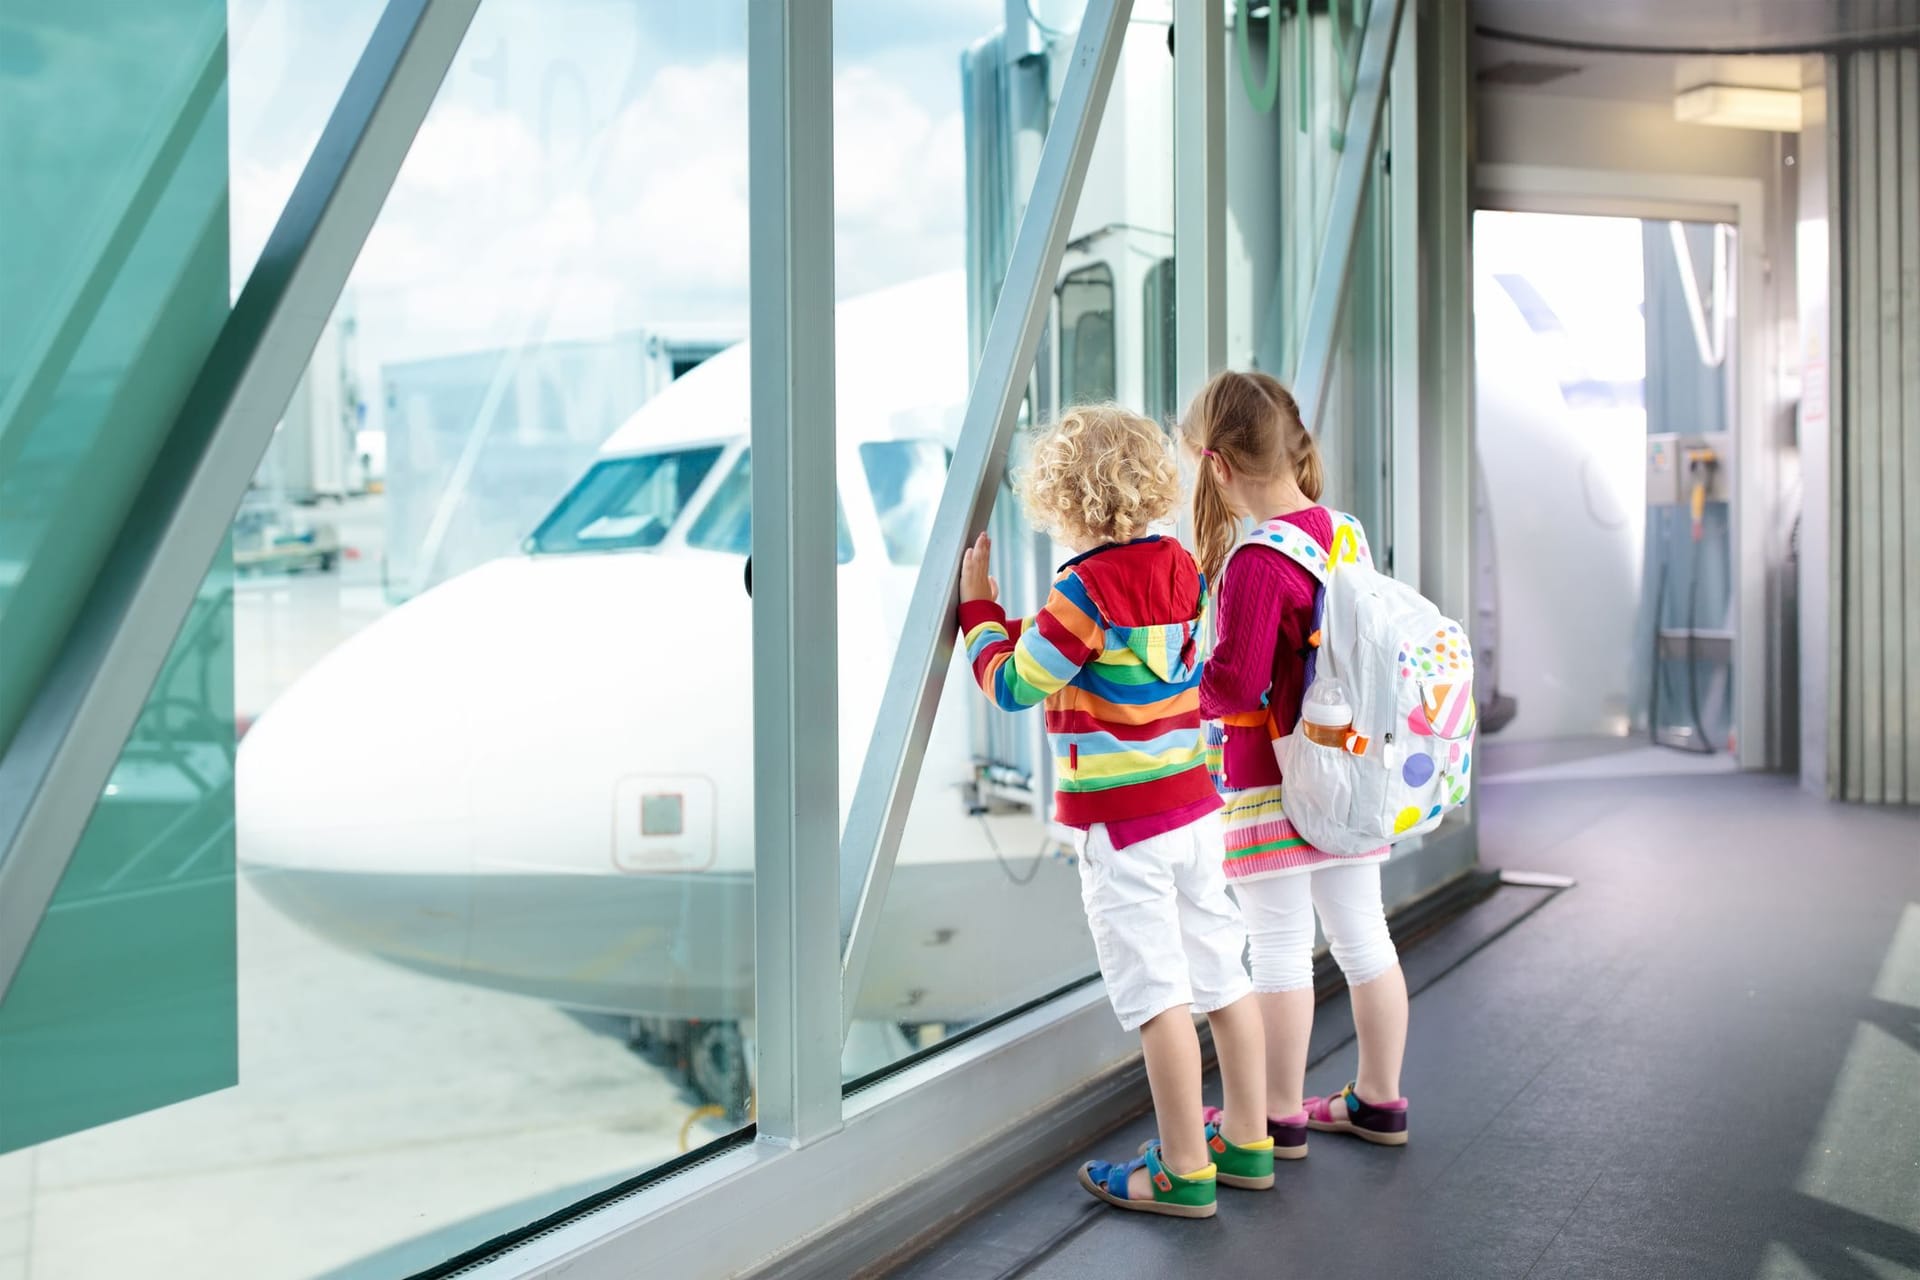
[
  {"x": 492, "y": 237},
  {"x": 459, "y": 148}
]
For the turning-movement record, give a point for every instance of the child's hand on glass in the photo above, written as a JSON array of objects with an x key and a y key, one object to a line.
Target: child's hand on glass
[{"x": 975, "y": 582}]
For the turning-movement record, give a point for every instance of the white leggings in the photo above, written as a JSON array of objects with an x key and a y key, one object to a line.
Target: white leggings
[{"x": 1279, "y": 914}]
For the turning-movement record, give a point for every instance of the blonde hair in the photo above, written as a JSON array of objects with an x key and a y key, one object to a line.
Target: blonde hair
[
  {"x": 1249, "y": 422},
  {"x": 1100, "y": 474}
]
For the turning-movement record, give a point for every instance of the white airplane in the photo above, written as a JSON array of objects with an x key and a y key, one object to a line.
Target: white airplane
[
  {"x": 537, "y": 776},
  {"x": 1562, "y": 494}
]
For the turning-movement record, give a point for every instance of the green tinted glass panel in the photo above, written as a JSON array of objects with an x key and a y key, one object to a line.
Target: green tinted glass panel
[
  {"x": 126, "y": 999},
  {"x": 114, "y": 276},
  {"x": 113, "y": 268}
]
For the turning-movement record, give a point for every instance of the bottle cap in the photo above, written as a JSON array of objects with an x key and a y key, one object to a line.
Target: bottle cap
[{"x": 1325, "y": 703}]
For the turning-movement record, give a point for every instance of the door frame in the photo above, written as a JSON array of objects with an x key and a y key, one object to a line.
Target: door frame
[{"x": 1742, "y": 203}]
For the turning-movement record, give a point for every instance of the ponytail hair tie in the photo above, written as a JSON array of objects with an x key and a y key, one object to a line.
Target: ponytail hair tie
[{"x": 1208, "y": 453}]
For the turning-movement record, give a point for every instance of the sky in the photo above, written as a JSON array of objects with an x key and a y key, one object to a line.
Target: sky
[{"x": 583, "y": 170}]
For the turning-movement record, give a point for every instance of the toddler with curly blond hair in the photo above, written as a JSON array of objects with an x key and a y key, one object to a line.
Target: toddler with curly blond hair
[{"x": 1114, "y": 657}]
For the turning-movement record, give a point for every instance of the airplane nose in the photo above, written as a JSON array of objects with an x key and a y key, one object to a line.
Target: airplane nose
[{"x": 351, "y": 814}]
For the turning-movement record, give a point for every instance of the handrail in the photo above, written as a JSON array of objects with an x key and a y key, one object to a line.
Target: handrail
[
  {"x": 891, "y": 770},
  {"x": 53, "y": 772}
]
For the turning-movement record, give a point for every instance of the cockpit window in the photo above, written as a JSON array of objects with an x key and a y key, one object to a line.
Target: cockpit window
[
  {"x": 624, "y": 503},
  {"x": 906, "y": 477},
  {"x": 726, "y": 523}
]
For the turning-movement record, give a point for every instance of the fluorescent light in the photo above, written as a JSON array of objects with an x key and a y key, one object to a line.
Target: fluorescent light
[{"x": 1739, "y": 107}]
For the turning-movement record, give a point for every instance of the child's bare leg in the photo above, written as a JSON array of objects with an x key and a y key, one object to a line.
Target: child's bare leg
[
  {"x": 1380, "y": 1024},
  {"x": 1241, "y": 1045},
  {"x": 1289, "y": 1019},
  {"x": 1172, "y": 1051}
]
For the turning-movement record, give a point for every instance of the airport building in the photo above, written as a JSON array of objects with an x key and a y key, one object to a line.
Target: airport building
[{"x": 491, "y": 784}]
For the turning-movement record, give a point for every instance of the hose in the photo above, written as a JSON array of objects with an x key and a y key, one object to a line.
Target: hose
[
  {"x": 1705, "y": 746},
  {"x": 1693, "y": 662},
  {"x": 1018, "y": 880}
]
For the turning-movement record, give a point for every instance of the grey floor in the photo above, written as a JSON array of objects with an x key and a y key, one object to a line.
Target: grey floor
[
  {"x": 1701, "y": 1061},
  {"x": 1591, "y": 760}
]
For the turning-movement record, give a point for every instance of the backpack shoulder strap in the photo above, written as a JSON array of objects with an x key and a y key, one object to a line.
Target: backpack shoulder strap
[
  {"x": 1291, "y": 541},
  {"x": 1349, "y": 542}
]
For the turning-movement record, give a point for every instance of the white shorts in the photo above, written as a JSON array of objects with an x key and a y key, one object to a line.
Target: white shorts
[{"x": 1163, "y": 926}]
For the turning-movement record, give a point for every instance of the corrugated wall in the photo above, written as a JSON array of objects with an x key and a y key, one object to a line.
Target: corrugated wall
[{"x": 1874, "y": 713}]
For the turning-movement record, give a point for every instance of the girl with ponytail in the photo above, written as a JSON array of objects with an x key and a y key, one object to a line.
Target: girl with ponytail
[{"x": 1257, "y": 462}]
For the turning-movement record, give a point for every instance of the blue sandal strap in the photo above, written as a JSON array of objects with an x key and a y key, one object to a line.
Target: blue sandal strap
[{"x": 1114, "y": 1176}]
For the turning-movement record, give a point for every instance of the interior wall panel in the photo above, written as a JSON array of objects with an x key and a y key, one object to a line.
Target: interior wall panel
[
  {"x": 1876, "y": 452},
  {"x": 1909, "y": 125}
]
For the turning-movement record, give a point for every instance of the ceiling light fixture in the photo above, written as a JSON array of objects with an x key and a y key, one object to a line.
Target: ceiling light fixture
[{"x": 1739, "y": 107}]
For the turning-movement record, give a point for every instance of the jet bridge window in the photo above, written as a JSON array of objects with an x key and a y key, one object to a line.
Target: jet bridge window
[
  {"x": 624, "y": 503},
  {"x": 1086, "y": 336},
  {"x": 1161, "y": 356},
  {"x": 905, "y": 477},
  {"x": 726, "y": 523}
]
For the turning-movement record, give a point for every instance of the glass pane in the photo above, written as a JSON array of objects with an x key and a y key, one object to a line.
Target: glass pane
[
  {"x": 905, "y": 478},
  {"x": 1295, "y": 75},
  {"x": 1087, "y": 373},
  {"x": 119, "y": 256},
  {"x": 494, "y": 935},
  {"x": 125, "y": 1001},
  {"x": 983, "y": 911},
  {"x": 1158, "y": 351},
  {"x": 117, "y": 266},
  {"x": 1294, "y": 71},
  {"x": 726, "y": 522}
]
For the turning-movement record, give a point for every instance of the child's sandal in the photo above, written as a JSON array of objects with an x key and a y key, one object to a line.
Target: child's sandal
[
  {"x": 1384, "y": 1123},
  {"x": 1250, "y": 1168},
  {"x": 1289, "y": 1133},
  {"x": 1175, "y": 1196}
]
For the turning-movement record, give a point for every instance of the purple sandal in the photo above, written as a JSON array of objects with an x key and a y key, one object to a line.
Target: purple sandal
[
  {"x": 1347, "y": 1112},
  {"x": 1289, "y": 1133}
]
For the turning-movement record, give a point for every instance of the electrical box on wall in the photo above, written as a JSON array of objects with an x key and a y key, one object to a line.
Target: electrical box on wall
[{"x": 1675, "y": 463}]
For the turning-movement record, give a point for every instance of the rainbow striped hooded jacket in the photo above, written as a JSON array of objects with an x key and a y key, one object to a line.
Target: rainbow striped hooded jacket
[{"x": 1114, "y": 656}]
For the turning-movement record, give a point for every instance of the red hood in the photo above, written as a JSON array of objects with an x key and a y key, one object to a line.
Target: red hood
[{"x": 1149, "y": 583}]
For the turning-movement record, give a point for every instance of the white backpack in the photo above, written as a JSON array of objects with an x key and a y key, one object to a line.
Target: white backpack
[{"x": 1408, "y": 674}]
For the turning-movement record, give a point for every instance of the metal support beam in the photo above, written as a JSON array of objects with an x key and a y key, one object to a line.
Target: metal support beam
[
  {"x": 892, "y": 767},
  {"x": 59, "y": 761},
  {"x": 1403, "y": 212},
  {"x": 795, "y": 623},
  {"x": 1448, "y": 474},
  {"x": 1322, "y": 334},
  {"x": 1200, "y": 193}
]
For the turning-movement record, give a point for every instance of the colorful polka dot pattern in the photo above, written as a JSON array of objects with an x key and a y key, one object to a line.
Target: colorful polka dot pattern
[
  {"x": 1349, "y": 541},
  {"x": 1445, "y": 654}
]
